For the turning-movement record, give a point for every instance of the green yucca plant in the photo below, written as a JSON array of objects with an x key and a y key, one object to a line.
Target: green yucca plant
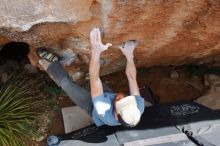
[{"x": 16, "y": 114}]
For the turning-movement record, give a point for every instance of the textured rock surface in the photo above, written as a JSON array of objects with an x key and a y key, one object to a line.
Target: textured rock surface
[
  {"x": 211, "y": 99},
  {"x": 170, "y": 32}
]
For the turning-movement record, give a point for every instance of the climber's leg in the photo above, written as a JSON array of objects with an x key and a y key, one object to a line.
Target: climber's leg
[{"x": 76, "y": 93}]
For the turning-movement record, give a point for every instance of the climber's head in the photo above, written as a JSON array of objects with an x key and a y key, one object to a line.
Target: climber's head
[{"x": 126, "y": 110}]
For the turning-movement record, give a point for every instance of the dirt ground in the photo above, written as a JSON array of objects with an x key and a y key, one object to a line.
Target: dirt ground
[
  {"x": 169, "y": 83},
  {"x": 178, "y": 88}
]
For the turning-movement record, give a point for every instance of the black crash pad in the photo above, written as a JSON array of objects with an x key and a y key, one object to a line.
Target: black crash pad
[
  {"x": 190, "y": 116},
  {"x": 110, "y": 140},
  {"x": 91, "y": 135}
]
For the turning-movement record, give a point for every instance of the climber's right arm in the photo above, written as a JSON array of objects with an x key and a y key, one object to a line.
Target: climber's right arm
[{"x": 94, "y": 66}]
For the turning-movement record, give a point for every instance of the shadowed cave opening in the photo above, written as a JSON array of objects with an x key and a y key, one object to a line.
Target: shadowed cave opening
[
  {"x": 16, "y": 51},
  {"x": 14, "y": 60}
]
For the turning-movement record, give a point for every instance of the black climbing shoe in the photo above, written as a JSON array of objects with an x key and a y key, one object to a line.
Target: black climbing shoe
[{"x": 45, "y": 54}]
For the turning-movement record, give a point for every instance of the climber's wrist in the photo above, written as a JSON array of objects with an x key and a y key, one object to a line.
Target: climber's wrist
[
  {"x": 130, "y": 57},
  {"x": 95, "y": 54}
]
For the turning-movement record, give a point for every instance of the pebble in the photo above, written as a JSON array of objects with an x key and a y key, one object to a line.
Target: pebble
[
  {"x": 76, "y": 76},
  {"x": 174, "y": 75}
]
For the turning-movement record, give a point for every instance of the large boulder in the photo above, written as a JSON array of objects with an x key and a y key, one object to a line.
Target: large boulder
[{"x": 169, "y": 32}]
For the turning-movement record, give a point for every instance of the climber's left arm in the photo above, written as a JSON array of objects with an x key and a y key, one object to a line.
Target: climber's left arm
[{"x": 128, "y": 50}]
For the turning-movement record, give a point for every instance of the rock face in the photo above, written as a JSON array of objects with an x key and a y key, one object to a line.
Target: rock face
[
  {"x": 170, "y": 32},
  {"x": 211, "y": 99}
]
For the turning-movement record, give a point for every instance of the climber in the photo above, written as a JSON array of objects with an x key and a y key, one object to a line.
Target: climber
[
  {"x": 105, "y": 107},
  {"x": 110, "y": 108}
]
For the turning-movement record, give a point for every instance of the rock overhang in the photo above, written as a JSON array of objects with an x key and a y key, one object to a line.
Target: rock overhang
[{"x": 169, "y": 32}]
